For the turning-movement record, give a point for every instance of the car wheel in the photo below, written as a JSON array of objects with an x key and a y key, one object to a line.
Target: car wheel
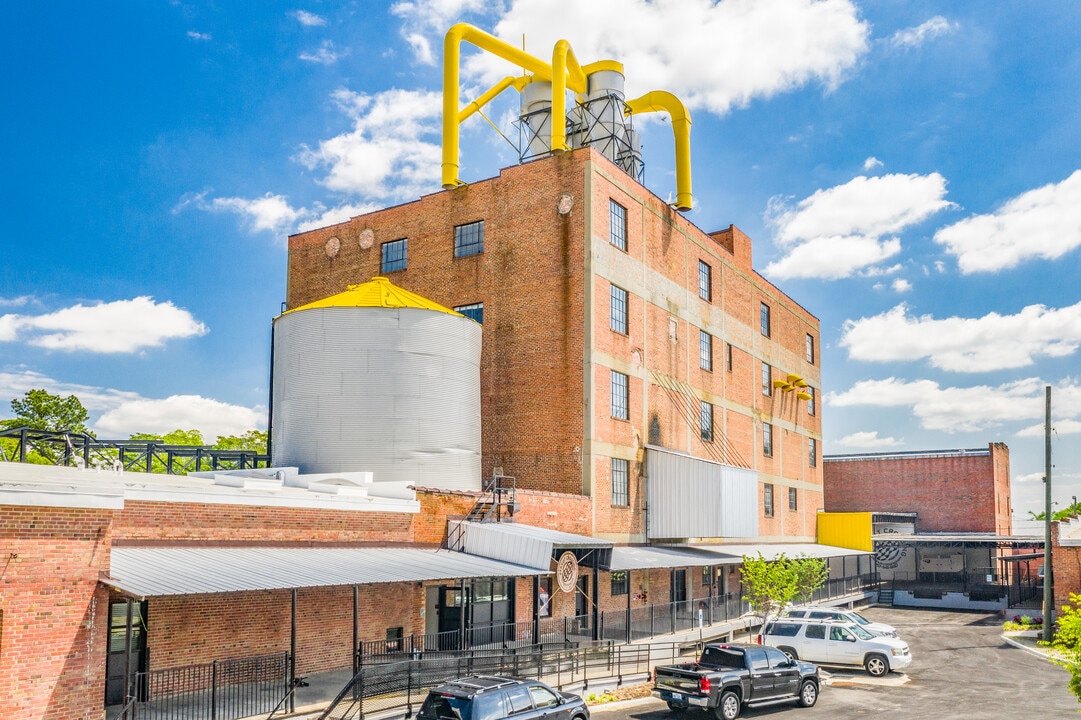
[
  {"x": 876, "y": 665},
  {"x": 729, "y": 707},
  {"x": 808, "y": 693},
  {"x": 789, "y": 652},
  {"x": 676, "y": 707}
]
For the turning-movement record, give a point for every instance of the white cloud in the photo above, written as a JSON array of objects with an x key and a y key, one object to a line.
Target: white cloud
[
  {"x": 712, "y": 55},
  {"x": 211, "y": 417},
  {"x": 332, "y": 216},
  {"x": 19, "y": 301},
  {"x": 1041, "y": 223},
  {"x": 121, "y": 326},
  {"x": 955, "y": 409},
  {"x": 198, "y": 36},
  {"x": 425, "y": 19},
  {"x": 871, "y": 163},
  {"x": 839, "y": 231},
  {"x": 308, "y": 19},
  {"x": 900, "y": 285},
  {"x": 868, "y": 440},
  {"x": 914, "y": 37},
  {"x": 1058, "y": 427},
  {"x": 121, "y": 413},
  {"x": 991, "y": 342},
  {"x": 270, "y": 212},
  {"x": 385, "y": 155},
  {"x": 325, "y": 55}
]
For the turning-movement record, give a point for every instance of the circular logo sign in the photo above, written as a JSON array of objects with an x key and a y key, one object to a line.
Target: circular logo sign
[{"x": 567, "y": 572}]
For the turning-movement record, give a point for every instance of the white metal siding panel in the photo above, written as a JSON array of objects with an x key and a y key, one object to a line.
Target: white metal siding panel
[
  {"x": 690, "y": 497},
  {"x": 526, "y": 545}
]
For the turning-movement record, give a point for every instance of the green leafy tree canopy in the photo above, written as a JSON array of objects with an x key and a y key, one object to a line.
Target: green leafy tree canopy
[
  {"x": 254, "y": 440},
  {"x": 1067, "y": 641},
  {"x": 41, "y": 410},
  {"x": 769, "y": 585},
  {"x": 176, "y": 437}
]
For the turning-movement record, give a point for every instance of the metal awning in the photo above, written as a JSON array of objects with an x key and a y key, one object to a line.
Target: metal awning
[
  {"x": 526, "y": 545},
  {"x": 152, "y": 572},
  {"x": 771, "y": 551},
  {"x": 653, "y": 557},
  {"x": 984, "y": 538}
]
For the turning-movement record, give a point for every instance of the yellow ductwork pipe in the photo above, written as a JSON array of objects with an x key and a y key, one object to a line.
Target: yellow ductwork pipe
[
  {"x": 566, "y": 73},
  {"x": 659, "y": 100},
  {"x": 518, "y": 83}
]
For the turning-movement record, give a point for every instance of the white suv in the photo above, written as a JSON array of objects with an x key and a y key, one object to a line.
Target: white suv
[
  {"x": 842, "y": 615},
  {"x": 833, "y": 643}
]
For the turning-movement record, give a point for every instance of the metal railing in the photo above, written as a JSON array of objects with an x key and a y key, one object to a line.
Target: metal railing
[
  {"x": 220, "y": 690},
  {"x": 403, "y": 685}
]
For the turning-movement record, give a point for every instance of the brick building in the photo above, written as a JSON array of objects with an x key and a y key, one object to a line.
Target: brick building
[{"x": 616, "y": 337}]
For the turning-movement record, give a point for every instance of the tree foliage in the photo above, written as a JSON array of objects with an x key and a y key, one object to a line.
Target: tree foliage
[
  {"x": 1065, "y": 513},
  {"x": 41, "y": 410},
  {"x": 176, "y": 437},
  {"x": 254, "y": 440},
  {"x": 1067, "y": 641},
  {"x": 769, "y": 585}
]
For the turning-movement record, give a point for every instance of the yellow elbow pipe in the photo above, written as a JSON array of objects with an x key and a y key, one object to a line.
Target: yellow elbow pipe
[
  {"x": 566, "y": 73},
  {"x": 451, "y": 61},
  {"x": 518, "y": 83},
  {"x": 656, "y": 101}
]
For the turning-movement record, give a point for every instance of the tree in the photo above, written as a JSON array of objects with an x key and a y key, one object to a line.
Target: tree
[
  {"x": 769, "y": 585},
  {"x": 1067, "y": 641},
  {"x": 41, "y": 410},
  {"x": 176, "y": 437},
  {"x": 254, "y": 440},
  {"x": 1065, "y": 513}
]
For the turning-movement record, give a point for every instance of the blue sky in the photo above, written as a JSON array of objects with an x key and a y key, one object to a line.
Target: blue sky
[{"x": 910, "y": 171}]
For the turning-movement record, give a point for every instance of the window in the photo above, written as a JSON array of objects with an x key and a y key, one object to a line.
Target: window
[
  {"x": 810, "y": 348},
  {"x": 394, "y": 639},
  {"x": 618, "y": 312},
  {"x": 765, "y": 319},
  {"x": 543, "y": 697},
  {"x": 767, "y": 499},
  {"x": 519, "y": 700},
  {"x": 767, "y": 439},
  {"x": 620, "y": 396},
  {"x": 620, "y": 583},
  {"x": 810, "y": 403},
  {"x": 617, "y": 219},
  {"x": 767, "y": 379},
  {"x": 839, "y": 633},
  {"x": 620, "y": 484},
  {"x": 394, "y": 255},
  {"x": 705, "y": 350},
  {"x": 706, "y": 416},
  {"x": 469, "y": 239},
  {"x": 812, "y": 452},
  {"x": 793, "y": 499},
  {"x": 473, "y": 312},
  {"x": 815, "y": 632},
  {"x": 728, "y": 359},
  {"x": 705, "y": 281}
]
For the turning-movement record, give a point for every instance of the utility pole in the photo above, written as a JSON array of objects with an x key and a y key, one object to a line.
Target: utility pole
[{"x": 1048, "y": 590}]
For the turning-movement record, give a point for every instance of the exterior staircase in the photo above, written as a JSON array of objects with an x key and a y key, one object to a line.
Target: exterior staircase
[
  {"x": 496, "y": 504},
  {"x": 885, "y": 596}
]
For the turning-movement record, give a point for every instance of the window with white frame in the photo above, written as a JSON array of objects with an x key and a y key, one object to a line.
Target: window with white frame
[
  {"x": 767, "y": 500},
  {"x": 618, "y": 310},
  {"x": 810, "y": 403},
  {"x": 705, "y": 350},
  {"x": 767, "y": 379},
  {"x": 620, "y": 396},
  {"x": 705, "y": 281},
  {"x": 793, "y": 499},
  {"x": 812, "y": 452},
  {"x": 620, "y": 482},
  {"x": 764, "y": 318},
  {"x": 706, "y": 418},
  {"x": 810, "y": 348},
  {"x": 617, "y": 221},
  {"x": 767, "y": 439}
]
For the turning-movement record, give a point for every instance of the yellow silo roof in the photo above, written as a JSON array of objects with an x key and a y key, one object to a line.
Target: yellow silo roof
[{"x": 379, "y": 292}]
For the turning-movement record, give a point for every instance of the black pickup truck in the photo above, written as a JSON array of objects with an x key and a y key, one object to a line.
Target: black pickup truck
[{"x": 730, "y": 677}]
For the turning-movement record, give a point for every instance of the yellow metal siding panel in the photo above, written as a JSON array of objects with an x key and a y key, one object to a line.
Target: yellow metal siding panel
[{"x": 847, "y": 530}]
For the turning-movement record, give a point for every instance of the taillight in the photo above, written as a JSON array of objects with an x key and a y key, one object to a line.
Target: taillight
[
  {"x": 703, "y": 685},
  {"x": 654, "y": 676},
  {"x": 758, "y": 638}
]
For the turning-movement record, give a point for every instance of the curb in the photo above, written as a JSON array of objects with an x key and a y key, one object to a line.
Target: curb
[{"x": 1046, "y": 655}]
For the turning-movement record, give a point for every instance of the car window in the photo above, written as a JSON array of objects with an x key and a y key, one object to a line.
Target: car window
[
  {"x": 820, "y": 615},
  {"x": 861, "y": 633},
  {"x": 859, "y": 618},
  {"x": 777, "y": 659},
  {"x": 756, "y": 659},
  {"x": 542, "y": 696},
  {"x": 840, "y": 633},
  {"x": 519, "y": 700},
  {"x": 796, "y": 613},
  {"x": 815, "y": 632},
  {"x": 783, "y": 629},
  {"x": 490, "y": 706},
  {"x": 437, "y": 707}
]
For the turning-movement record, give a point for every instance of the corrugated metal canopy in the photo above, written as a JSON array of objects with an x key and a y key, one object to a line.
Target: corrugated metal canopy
[
  {"x": 646, "y": 558},
  {"x": 930, "y": 539},
  {"x": 771, "y": 551},
  {"x": 189, "y": 571},
  {"x": 523, "y": 544}
]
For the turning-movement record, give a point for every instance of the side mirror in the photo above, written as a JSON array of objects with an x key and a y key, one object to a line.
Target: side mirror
[{"x": 851, "y": 638}]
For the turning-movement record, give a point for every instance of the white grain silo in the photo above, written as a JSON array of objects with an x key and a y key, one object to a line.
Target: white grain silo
[{"x": 378, "y": 378}]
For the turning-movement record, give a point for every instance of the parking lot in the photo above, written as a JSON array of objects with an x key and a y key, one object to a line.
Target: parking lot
[{"x": 962, "y": 669}]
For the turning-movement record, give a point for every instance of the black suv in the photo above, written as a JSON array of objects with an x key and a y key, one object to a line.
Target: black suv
[{"x": 483, "y": 697}]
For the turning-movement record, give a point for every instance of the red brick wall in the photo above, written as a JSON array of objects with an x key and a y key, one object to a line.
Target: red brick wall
[
  {"x": 54, "y": 622},
  {"x": 950, "y": 493},
  {"x": 159, "y": 521}
]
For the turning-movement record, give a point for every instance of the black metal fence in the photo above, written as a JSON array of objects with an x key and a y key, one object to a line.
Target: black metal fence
[
  {"x": 221, "y": 690},
  {"x": 402, "y": 686}
]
